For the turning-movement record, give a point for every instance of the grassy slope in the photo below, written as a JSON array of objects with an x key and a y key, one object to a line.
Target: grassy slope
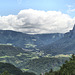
[{"x": 29, "y": 61}]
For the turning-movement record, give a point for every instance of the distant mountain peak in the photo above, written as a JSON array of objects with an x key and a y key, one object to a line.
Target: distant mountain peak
[
  {"x": 72, "y": 32},
  {"x": 74, "y": 28}
]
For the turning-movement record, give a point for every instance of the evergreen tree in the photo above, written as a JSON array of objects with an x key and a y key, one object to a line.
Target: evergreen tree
[
  {"x": 51, "y": 71},
  {"x": 5, "y": 73},
  {"x": 68, "y": 68}
]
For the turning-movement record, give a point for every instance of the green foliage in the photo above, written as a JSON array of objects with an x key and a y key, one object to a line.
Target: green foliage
[
  {"x": 30, "y": 61},
  {"x": 44, "y": 64},
  {"x": 9, "y": 69},
  {"x": 29, "y": 73},
  {"x": 68, "y": 68},
  {"x": 5, "y": 73},
  {"x": 51, "y": 71}
]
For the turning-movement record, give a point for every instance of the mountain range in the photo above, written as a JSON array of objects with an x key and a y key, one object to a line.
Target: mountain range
[
  {"x": 54, "y": 43},
  {"x": 64, "y": 45},
  {"x": 34, "y": 53},
  {"x": 27, "y": 41},
  {"x": 29, "y": 61}
]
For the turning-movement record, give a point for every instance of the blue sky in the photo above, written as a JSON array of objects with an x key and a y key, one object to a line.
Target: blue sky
[
  {"x": 14, "y": 6},
  {"x": 37, "y": 16}
]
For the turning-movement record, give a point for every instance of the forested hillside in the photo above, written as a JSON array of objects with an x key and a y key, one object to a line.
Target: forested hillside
[
  {"x": 68, "y": 68},
  {"x": 65, "y": 45},
  {"x": 38, "y": 53},
  {"x": 30, "y": 61},
  {"x": 27, "y": 41},
  {"x": 9, "y": 69}
]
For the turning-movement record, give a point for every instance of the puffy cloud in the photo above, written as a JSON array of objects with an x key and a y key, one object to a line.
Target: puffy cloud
[{"x": 37, "y": 22}]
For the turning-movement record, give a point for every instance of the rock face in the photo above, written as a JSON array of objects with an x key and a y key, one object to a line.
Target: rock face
[
  {"x": 73, "y": 29},
  {"x": 54, "y": 43},
  {"x": 65, "y": 45},
  {"x": 70, "y": 34},
  {"x": 73, "y": 32}
]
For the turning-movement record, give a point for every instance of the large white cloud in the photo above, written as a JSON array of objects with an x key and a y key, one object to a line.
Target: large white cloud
[{"x": 37, "y": 22}]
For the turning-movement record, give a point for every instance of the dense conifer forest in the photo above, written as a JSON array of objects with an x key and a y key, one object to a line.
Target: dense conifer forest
[{"x": 68, "y": 68}]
